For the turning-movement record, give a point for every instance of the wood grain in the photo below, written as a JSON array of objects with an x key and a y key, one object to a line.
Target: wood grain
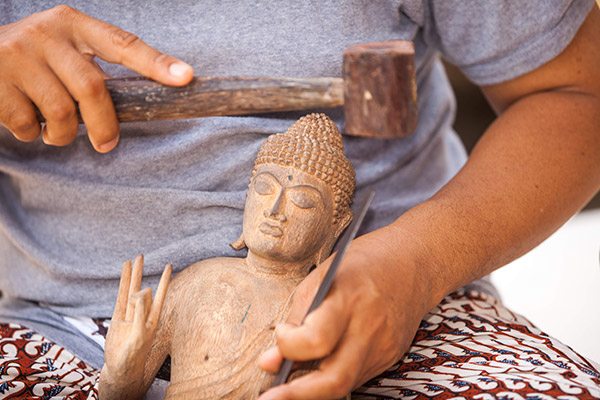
[{"x": 140, "y": 99}]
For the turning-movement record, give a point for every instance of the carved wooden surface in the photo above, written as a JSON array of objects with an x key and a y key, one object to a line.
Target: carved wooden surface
[{"x": 219, "y": 314}]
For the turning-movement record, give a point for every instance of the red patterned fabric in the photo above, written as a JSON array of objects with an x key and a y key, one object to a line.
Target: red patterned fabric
[
  {"x": 469, "y": 347},
  {"x": 32, "y": 367},
  {"x": 472, "y": 347}
]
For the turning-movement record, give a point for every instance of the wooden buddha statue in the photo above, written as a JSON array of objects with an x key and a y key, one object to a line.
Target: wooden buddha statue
[{"x": 217, "y": 316}]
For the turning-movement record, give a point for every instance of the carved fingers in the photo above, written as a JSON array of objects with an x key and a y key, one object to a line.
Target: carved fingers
[
  {"x": 159, "y": 299},
  {"x": 136, "y": 305},
  {"x": 141, "y": 302},
  {"x": 123, "y": 295},
  {"x": 134, "y": 325},
  {"x": 134, "y": 285}
]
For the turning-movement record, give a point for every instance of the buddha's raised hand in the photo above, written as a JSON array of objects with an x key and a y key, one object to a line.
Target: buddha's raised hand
[{"x": 131, "y": 332}]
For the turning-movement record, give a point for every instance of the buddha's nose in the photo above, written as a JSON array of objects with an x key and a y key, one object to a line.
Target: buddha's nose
[{"x": 275, "y": 211}]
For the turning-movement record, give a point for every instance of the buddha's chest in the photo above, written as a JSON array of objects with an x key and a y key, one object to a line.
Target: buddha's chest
[{"x": 219, "y": 331}]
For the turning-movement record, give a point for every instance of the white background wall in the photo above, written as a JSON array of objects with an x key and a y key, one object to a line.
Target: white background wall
[{"x": 557, "y": 285}]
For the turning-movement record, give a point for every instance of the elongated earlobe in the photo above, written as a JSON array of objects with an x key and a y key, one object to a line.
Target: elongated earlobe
[
  {"x": 339, "y": 229},
  {"x": 343, "y": 224},
  {"x": 238, "y": 244}
]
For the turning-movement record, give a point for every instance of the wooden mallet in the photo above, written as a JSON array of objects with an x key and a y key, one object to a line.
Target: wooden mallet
[{"x": 378, "y": 93}]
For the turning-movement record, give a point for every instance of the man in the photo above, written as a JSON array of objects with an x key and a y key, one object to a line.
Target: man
[{"x": 69, "y": 214}]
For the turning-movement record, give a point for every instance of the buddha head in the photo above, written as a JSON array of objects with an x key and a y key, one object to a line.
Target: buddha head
[{"x": 300, "y": 193}]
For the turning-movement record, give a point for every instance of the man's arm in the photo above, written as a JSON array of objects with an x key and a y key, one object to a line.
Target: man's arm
[{"x": 535, "y": 167}]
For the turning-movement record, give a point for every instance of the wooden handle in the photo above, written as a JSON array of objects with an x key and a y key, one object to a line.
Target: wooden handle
[
  {"x": 140, "y": 99},
  {"x": 378, "y": 92}
]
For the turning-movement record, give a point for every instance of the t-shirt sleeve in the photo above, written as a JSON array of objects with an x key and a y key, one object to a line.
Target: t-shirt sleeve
[
  {"x": 493, "y": 41},
  {"x": 4, "y": 16}
]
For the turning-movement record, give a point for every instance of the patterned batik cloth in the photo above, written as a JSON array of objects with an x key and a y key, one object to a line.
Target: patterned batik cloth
[
  {"x": 32, "y": 367},
  {"x": 468, "y": 347},
  {"x": 472, "y": 347}
]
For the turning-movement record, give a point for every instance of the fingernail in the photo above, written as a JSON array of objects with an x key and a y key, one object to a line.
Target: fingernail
[
  {"x": 108, "y": 146},
  {"x": 179, "y": 69},
  {"x": 45, "y": 136},
  {"x": 280, "y": 329},
  {"x": 263, "y": 358},
  {"x": 284, "y": 326},
  {"x": 267, "y": 396},
  {"x": 268, "y": 355}
]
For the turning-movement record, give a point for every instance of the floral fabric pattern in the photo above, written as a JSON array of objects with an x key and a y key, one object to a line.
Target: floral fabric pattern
[
  {"x": 469, "y": 347},
  {"x": 32, "y": 367},
  {"x": 472, "y": 347}
]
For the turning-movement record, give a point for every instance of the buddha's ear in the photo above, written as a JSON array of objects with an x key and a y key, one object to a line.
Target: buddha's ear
[
  {"x": 239, "y": 244},
  {"x": 338, "y": 229},
  {"x": 343, "y": 224}
]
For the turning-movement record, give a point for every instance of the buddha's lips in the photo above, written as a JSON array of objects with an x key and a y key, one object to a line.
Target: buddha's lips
[{"x": 270, "y": 229}]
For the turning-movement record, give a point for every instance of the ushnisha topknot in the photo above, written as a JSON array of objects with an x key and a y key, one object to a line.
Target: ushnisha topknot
[{"x": 313, "y": 145}]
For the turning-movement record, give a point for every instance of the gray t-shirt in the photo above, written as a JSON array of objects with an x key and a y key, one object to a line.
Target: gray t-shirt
[{"x": 175, "y": 190}]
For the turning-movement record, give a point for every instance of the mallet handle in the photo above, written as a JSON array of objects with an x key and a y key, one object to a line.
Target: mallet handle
[{"x": 140, "y": 99}]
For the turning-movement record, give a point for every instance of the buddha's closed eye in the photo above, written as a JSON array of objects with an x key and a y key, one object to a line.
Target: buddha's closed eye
[
  {"x": 304, "y": 196},
  {"x": 264, "y": 184}
]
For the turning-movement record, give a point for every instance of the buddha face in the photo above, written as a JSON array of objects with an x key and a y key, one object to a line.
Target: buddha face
[{"x": 288, "y": 215}]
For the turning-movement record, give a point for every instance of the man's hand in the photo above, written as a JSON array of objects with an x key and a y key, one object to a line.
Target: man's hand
[
  {"x": 534, "y": 168},
  {"x": 363, "y": 327},
  {"x": 47, "y": 59}
]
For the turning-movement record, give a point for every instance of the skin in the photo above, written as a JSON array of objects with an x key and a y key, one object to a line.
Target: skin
[
  {"x": 536, "y": 165},
  {"x": 47, "y": 60}
]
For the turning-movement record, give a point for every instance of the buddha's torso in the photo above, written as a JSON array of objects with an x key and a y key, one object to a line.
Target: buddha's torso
[{"x": 223, "y": 316}]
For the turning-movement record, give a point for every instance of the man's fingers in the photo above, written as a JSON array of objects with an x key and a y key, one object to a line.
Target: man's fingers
[
  {"x": 318, "y": 336},
  {"x": 135, "y": 283},
  {"x": 161, "y": 293},
  {"x": 85, "y": 82},
  {"x": 17, "y": 114},
  {"x": 335, "y": 378},
  {"x": 270, "y": 360},
  {"x": 123, "y": 296},
  {"x": 97, "y": 67},
  {"x": 55, "y": 103},
  {"x": 118, "y": 46},
  {"x": 62, "y": 72},
  {"x": 305, "y": 293}
]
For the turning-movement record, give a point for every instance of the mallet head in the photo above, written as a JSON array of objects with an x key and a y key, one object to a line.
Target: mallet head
[{"x": 380, "y": 90}]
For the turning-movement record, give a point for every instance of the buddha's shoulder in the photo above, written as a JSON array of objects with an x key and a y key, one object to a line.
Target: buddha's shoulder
[
  {"x": 213, "y": 268},
  {"x": 212, "y": 278}
]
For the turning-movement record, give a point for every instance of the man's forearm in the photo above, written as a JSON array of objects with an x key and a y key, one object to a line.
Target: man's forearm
[{"x": 534, "y": 168}]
